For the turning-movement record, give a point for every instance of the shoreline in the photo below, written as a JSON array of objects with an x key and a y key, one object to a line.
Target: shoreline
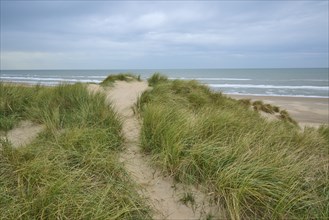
[
  {"x": 278, "y": 96},
  {"x": 307, "y": 111}
]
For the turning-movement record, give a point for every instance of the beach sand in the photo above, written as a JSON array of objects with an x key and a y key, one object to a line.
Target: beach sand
[{"x": 306, "y": 111}]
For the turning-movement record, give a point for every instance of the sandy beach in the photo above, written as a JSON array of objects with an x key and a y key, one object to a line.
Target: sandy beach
[{"x": 307, "y": 111}]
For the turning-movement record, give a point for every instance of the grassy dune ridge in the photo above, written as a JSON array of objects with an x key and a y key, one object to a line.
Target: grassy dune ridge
[
  {"x": 128, "y": 77},
  {"x": 256, "y": 168},
  {"x": 71, "y": 171}
]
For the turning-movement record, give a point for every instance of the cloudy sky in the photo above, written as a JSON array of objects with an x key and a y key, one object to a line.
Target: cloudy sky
[{"x": 172, "y": 34}]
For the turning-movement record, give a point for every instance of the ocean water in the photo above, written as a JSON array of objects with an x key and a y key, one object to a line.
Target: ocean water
[{"x": 311, "y": 82}]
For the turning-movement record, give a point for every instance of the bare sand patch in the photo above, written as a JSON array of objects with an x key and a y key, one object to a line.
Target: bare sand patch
[
  {"x": 94, "y": 88},
  {"x": 24, "y": 133}
]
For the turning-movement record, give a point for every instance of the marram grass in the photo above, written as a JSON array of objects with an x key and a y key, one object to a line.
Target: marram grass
[
  {"x": 256, "y": 169},
  {"x": 71, "y": 171},
  {"x": 128, "y": 77}
]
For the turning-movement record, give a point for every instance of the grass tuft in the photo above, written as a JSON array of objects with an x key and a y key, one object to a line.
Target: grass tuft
[
  {"x": 284, "y": 115},
  {"x": 128, "y": 77},
  {"x": 245, "y": 102},
  {"x": 324, "y": 131},
  {"x": 156, "y": 78},
  {"x": 188, "y": 198},
  {"x": 267, "y": 108}
]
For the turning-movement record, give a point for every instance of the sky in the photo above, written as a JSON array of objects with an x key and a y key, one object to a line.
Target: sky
[{"x": 163, "y": 34}]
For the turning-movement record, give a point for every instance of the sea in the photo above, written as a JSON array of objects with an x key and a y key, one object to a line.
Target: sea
[{"x": 293, "y": 82}]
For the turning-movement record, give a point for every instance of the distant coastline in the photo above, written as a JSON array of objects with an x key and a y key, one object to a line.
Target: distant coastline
[{"x": 281, "y": 82}]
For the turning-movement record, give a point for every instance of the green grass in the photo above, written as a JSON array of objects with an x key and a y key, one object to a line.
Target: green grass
[
  {"x": 257, "y": 169},
  {"x": 188, "y": 198},
  {"x": 260, "y": 106},
  {"x": 156, "y": 78},
  {"x": 324, "y": 131},
  {"x": 13, "y": 103},
  {"x": 128, "y": 77},
  {"x": 71, "y": 171}
]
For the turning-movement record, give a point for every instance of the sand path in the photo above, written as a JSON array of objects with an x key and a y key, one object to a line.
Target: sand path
[{"x": 161, "y": 192}]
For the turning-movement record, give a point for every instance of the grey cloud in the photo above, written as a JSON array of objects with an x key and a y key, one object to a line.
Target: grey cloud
[{"x": 212, "y": 34}]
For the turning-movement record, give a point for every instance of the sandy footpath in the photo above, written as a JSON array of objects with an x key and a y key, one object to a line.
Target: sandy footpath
[
  {"x": 307, "y": 111},
  {"x": 161, "y": 191}
]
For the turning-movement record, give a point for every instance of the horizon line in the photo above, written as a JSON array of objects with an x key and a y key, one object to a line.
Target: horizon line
[{"x": 209, "y": 68}]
